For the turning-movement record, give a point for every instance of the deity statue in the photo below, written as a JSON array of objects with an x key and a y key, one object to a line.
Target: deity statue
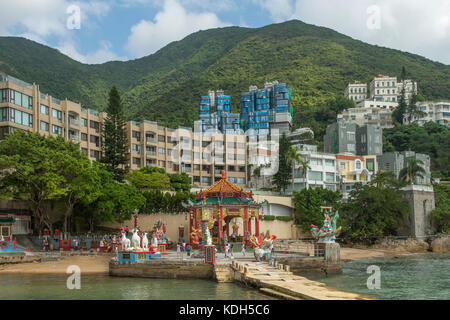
[
  {"x": 326, "y": 234},
  {"x": 154, "y": 241}
]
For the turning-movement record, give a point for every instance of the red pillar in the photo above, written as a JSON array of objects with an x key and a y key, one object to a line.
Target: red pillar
[
  {"x": 245, "y": 221},
  {"x": 250, "y": 225},
  {"x": 257, "y": 225},
  {"x": 220, "y": 224}
]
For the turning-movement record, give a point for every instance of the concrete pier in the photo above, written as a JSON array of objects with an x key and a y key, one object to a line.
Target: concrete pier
[{"x": 285, "y": 285}]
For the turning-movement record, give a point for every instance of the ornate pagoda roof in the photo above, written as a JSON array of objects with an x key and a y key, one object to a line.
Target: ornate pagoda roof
[{"x": 225, "y": 189}]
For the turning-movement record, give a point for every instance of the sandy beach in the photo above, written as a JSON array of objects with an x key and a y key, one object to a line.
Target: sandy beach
[{"x": 87, "y": 264}]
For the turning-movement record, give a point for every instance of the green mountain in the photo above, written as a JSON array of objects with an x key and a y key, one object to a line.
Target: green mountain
[{"x": 316, "y": 62}]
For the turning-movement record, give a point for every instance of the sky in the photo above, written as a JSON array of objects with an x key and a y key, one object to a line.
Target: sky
[{"x": 97, "y": 31}]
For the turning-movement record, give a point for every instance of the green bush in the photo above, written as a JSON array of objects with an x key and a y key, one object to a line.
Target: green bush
[
  {"x": 285, "y": 218},
  {"x": 268, "y": 218}
]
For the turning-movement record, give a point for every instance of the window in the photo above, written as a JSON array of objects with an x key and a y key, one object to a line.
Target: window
[
  {"x": 44, "y": 109},
  {"x": 44, "y": 126},
  {"x": 162, "y": 151},
  {"x": 137, "y": 148},
  {"x": 315, "y": 175},
  {"x": 56, "y": 129},
  {"x": 351, "y": 147},
  {"x": 342, "y": 165},
  {"x": 83, "y": 137},
  {"x": 57, "y": 114},
  {"x": 358, "y": 165},
  {"x": 350, "y": 136},
  {"x": 315, "y": 162},
  {"x": 206, "y": 180},
  {"x": 95, "y": 139},
  {"x": 137, "y": 161},
  {"x": 85, "y": 151},
  {"x": 241, "y": 180},
  {"x": 329, "y": 177},
  {"x": 95, "y": 154},
  {"x": 329, "y": 163},
  {"x": 16, "y": 116},
  {"x": 94, "y": 125},
  {"x": 84, "y": 122},
  {"x": 161, "y": 138}
]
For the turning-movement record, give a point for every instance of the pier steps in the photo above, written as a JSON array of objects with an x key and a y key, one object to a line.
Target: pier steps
[{"x": 276, "y": 280}]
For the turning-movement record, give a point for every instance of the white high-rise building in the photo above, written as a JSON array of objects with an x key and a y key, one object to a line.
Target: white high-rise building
[
  {"x": 384, "y": 89},
  {"x": 438, "y": 112},
  {"x": 356, "y": 91}
]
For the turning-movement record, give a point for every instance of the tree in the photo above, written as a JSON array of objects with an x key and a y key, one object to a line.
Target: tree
[
  {"x": 143, "y": 180},
  {"x": 282, "y": 177},
  {"x": 113, "y": 201},
  {"x": 180, "y": 182},
  {"x": 115, "y": 138},
  {"x": 413, "y": 111},
  {"x": 413, "y": 170},
  {"x": 386, "y": 179},
  {"x": 31, "y": 170},
  {"x": 400, "y": 111},
  {"x": 373, "y": 211},
  {"x": 308, "y": 202},
  {"x": 292, "y": 158},
  {"x": 442, "y": 211}
]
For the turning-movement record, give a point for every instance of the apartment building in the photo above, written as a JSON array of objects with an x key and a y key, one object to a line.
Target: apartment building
[
  {"x": 215, "y": 114},
  {"x": 368, "y": 115},
  {"x": 23, "y": 106},
  {"x": 264, "y": 110},
  {"x": 322, "y": 172},
  {"x": 353, "y": 170},
  {"x": 396, "y": 161},
  {"x": 384, "y": 88},
  {"x": 356, "y": 91},
  {"x": 202, "y": 156},
  {"x": 438, "y": 112},
  {"x": 342, "y": 137}
]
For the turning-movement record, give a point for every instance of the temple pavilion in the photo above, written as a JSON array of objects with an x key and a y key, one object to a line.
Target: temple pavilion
[{"x": 218, "y": 206}]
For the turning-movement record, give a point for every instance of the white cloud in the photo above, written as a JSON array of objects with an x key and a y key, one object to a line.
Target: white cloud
[
  {"x": 417, "y": 26},
  {"x": 103, "y": 54},
  {"x": 173, "y": 23},
  {"x": 279, "y": 10},
  {"x": 40, "y": 20}
]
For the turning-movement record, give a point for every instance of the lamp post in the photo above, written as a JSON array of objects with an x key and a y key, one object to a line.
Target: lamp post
[{"x": 136, "y": 214}]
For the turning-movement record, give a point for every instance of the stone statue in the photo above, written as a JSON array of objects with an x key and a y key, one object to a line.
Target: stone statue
[
  {"x": 326, "y": 234},
  {"x": 145, "y": 241},
  {"x": 136, "y": 240},
  {"x": 154, "y": 241},
  {"x": 125, "y": 242},
  {"x": 208, "y": 238}
]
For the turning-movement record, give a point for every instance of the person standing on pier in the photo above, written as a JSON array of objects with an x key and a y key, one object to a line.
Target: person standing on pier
[{"x": 178, "y": 249}]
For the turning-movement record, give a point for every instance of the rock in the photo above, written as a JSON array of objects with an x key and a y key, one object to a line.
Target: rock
[{"x": 441, "y": 245}]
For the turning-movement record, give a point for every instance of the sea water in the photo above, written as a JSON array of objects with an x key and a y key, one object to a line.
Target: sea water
[{"x": 406, "y": 277}]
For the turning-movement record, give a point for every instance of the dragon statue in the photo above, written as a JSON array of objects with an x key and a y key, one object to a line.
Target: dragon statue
[
  {"x": 329, "y": 231},
  {"x": 196, "y": 235},
  {"x": 262, "y": 247}
]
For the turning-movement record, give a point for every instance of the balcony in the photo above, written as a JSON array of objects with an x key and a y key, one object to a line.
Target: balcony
[
  {"x": 74, "y": 122},
  {"x": 74, "y": 137}
]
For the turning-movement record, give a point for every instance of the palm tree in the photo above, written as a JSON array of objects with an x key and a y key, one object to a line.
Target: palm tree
[
  {"x": 294, "y": 157},
  {"x": 414, "y": 169},
  {"x": 304, "y": 164}
]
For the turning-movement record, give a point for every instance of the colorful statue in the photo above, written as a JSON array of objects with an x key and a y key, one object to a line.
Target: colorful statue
[
  {"x": 262, "y": 248},
  {"x": 154, "y": 241},
  {"x": 328, "y": 233},
  {"x": 208, "y": 238},
  {"x": 195, "y": 236},
  {"x": 160, "y": 229}
]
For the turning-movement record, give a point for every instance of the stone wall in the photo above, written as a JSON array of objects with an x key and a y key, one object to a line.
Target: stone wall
[
  {"x": 304, "y": 266},
  {"x": 162, "y": 270},
  {"x": 146, "y": 222},
  {"x": 421, "y": 201}
]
